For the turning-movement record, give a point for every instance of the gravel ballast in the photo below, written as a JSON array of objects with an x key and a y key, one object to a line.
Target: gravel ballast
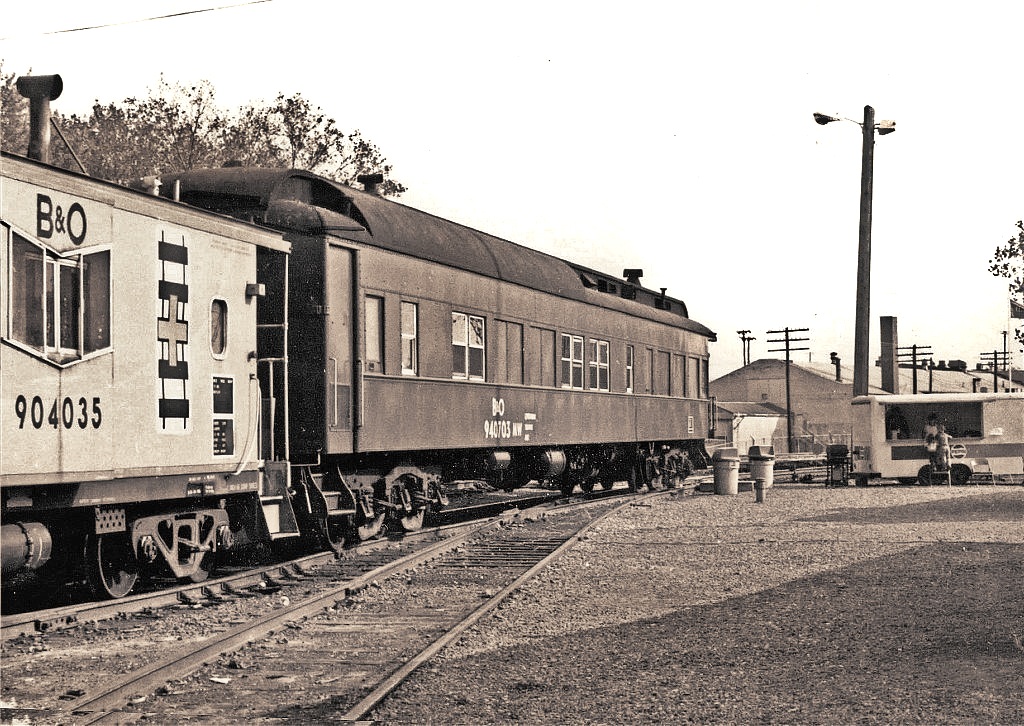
[{"x": 849, "y": 605}]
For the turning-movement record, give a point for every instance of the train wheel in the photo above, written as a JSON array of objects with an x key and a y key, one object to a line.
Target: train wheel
[
  {"x": 633, "y": 479},
  {"x": 371, "y": 528},
  {"x": 204, "y": 568},
  {"x": 566, "y": 484},
  {"x": 110, "y": 564},
  {"x": 587, "y": 485},
  {"x": 412, "y": 522},
  {"x": 334, "y": 532}
]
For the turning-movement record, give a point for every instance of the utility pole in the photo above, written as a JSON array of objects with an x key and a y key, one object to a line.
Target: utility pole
[
  {"x": 993, "y": 359},
  {"x": 746, "y": 338},
  {"x": 914, "y": 350},
  {"x": 788, "y": 349},
  {"x": 862, "y": 328}
]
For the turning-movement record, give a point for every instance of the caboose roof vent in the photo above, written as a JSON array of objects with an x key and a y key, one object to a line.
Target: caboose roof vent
[{"x": 40, "y": 90}]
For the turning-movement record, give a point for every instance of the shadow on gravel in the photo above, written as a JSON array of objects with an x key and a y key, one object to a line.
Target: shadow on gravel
[
  {"x": 1000, "y": 506},
  {"x": 932, "y": 635}
]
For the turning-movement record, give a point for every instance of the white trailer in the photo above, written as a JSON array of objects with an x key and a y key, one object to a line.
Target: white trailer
[{"x": 987, "y": 431}]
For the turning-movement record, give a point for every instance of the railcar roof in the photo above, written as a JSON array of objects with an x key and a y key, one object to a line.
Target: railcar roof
[{"x": 395, "y": 226}]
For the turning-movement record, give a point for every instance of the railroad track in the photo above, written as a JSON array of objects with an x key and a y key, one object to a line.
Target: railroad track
[
  {"x": 349, "y": 642},
  {"x": 235, "y": 579}
]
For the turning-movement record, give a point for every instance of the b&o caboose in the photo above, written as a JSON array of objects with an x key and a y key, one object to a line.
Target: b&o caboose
[{"x": 177, "y": 382}]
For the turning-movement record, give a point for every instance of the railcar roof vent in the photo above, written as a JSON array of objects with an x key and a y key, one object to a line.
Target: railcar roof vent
[
  {"x": 370, "y": 182},
  {"x": 633, "y": 275}
]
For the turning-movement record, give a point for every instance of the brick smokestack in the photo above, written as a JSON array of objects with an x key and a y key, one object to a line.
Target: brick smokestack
[{"x": 890, "y": 355}]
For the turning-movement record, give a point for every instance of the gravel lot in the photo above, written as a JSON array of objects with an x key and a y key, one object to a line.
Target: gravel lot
[{"x": 851, "y": 605}]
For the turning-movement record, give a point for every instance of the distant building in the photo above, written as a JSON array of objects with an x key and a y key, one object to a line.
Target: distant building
[
  {"x": 820, "y": 395},
  {"x": 743, "y": 424}
]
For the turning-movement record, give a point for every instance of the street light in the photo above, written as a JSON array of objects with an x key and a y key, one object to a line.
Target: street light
[{"x": 862, "y": 330}]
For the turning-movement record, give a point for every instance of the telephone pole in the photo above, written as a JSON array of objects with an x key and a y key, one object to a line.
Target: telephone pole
[
  {"x": 746, "y": 337},
  {"x": 788, "y": 340},
  {"x": 914, "y": 351}
]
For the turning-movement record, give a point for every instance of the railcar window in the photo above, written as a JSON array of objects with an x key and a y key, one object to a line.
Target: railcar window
[
  {"x": 218, "y": 327},
  {"x": 629, "y": 369},
  {"x": 410, "y": 332},
  {"x": 598, "y": 365},
  {"x": 468, "y": 338},
  {"x": 679, "y": 382},
  {"x": 374, "y": 334},
  {"x": 508, "y": 339},
  {"x": 572, "y": 361},
  {"x": 59, "y": 304}
]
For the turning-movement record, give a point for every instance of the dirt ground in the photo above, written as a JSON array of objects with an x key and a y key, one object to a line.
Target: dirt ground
[{"x": 826, "y": 606}]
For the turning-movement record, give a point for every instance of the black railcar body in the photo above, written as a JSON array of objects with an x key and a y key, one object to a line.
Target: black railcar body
[{"x": 377, "y": 354}]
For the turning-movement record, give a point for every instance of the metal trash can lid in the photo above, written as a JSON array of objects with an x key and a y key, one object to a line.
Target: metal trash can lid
[{"x": 726, "y": 453}]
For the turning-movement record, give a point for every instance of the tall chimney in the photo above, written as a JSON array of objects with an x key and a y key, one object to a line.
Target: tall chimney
[
  {"x": 890, "y": 358},
  {"x": 40, "y": 90}
]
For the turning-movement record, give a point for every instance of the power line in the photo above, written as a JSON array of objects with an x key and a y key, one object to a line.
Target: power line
[{"x": 145, "y": 20}]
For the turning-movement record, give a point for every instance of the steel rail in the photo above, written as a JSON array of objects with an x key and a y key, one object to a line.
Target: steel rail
[
  {"x": 105, "y": 704},
  {"x": 361, "y": 709},
  {"x": 42, "y": 621}
]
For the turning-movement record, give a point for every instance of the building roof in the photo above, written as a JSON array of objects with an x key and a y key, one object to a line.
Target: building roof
[
  {"x": 943, "y": 380},
  {"x": 747, "y": 408}
]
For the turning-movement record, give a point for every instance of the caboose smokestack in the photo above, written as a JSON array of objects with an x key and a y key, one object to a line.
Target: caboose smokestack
[{"x": 40, "y": 90}]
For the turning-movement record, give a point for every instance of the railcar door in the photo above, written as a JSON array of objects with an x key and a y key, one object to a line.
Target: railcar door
[{"x": 339, "y": 336}]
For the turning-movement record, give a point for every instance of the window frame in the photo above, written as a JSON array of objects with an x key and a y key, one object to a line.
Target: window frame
[
  {"x": 223, "y": 352},
  {"x": 573, "y": 363},
  {"x": 52, "y": 265},
  {"x": 468, "y": 345},
  {"x": 597, "y": 365},
  {"x": 378, "y": 334},
  {"x": 630, "y": 370},
  {"x": 410, "y": 338}
]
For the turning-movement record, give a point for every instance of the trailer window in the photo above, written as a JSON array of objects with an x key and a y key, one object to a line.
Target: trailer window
[
  {"x": 963, "y": 420},
  {"x": 59, "y": 305}
]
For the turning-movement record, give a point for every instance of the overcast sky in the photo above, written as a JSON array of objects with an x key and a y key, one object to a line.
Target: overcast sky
[{"x": 672, "y": 136}]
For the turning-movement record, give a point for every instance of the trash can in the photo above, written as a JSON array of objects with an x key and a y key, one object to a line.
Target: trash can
[
  {"x": 762, "y": 464},
  {"x": 726, "y": 463}
]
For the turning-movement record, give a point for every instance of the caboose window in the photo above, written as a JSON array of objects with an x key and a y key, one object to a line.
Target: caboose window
[
  {"x": 468, "y": 336},
  {"x": 59, "y": 304},
  {"x": 410, "y": 357},
  {"x": 598, "y": 366},
  {"x": 572, "y": 361},
  {"x": 218, "y": 327}
]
